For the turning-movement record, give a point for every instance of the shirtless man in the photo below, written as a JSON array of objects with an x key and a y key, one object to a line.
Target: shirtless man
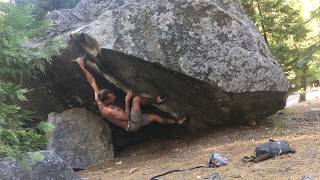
[{"x": 132, "y": 120}]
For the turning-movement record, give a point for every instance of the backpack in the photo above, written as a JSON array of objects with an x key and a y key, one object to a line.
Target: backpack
[{"x": 270, "y": 150}]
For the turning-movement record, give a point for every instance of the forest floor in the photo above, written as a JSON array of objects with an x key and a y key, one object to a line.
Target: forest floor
[{"x": 161, "y": 155}]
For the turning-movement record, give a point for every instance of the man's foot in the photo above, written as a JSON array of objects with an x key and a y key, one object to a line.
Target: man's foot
[
  {"x": 182, "y": 121},
  {"x": 161, "y": 99}
]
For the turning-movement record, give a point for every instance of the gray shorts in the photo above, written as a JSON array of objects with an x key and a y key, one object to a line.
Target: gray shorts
[{"x": 137, "y": 120}]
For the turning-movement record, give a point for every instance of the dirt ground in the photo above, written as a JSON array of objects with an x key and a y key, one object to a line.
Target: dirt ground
[{"x": 161, "y": 155}]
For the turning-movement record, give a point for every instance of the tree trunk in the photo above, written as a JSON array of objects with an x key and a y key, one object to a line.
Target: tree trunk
[
  {"x": 56, "y": 4},
  {"x": 303, "y": 83},
  {"x": 264, "y": 33}
]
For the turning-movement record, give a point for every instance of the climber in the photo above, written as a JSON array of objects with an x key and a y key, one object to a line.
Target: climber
[{"x": 130, "y": 120}]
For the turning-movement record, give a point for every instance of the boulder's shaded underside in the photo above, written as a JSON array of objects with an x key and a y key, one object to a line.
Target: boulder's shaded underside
[
  {"x": 205, "y": 104},
  {"x": 206, "y": 56}
]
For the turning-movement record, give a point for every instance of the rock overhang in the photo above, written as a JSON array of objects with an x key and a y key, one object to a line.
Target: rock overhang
[{"x": 187, "y": 94}]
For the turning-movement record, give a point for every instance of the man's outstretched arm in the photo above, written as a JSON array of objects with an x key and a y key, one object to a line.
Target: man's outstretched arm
[
  {"x": 127, "y": 101},
  {"x": 88, "y": 75}
]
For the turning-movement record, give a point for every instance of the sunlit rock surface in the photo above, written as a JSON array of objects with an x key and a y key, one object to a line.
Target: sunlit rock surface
[{"x": 210, "y": 40}]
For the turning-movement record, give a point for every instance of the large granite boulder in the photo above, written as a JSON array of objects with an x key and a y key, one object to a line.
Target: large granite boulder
[
  {"x": 210, "y": 40},
  {"x": 206, "y": 55},
  {"x": 49, "y": 166},
  {"x": 81, "y": 138}
]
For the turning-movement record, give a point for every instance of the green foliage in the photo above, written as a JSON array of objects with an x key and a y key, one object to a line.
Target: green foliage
[
  {"x": 280, "y": 124},
  {"x": 16, "y": 133},
  {"x": 9, "y": 95},
  {"x": 314, "y": 72},
  {"x": 316, "y": 15},
  {"x": 36, "y": 156},
  {"x": 20, "y": 56}
]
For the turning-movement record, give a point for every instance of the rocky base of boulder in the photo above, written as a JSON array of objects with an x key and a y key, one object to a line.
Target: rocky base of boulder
[
  {"x": 81, "y": 138},
  {"x": 51, "y": 166}
]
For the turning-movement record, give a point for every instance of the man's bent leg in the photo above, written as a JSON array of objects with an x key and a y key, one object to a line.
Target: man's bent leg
[
  {"x": 163, "y": 120},
  {"x": 147, "y": 100},
  {"x": 136, "y": 103},
  {"x": 137, "y": 120}
]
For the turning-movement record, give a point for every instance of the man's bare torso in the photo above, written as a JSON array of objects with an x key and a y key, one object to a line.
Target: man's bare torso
[{"x": 114, "y": 114}]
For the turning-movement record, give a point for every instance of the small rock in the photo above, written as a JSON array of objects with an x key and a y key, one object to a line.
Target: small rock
[
  {"x": 215, "y": 176},
  {"x": 307, "y": 178},
  {"x": 118, "y": 162},
  {"x": 313, "y": 114},
  {"x": 116, "y": 172},
  {"x": 107, "y": 170},
  {"x": 96, "y": 178},
  {"x": 237, "y": 175}
]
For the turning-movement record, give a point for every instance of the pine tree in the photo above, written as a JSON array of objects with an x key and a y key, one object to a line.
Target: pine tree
[{"x": 287, "y": 34}]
